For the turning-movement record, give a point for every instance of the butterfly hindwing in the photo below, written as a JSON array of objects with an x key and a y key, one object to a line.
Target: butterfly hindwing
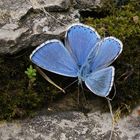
[
  {"x": 54, "y": 57},
  {"x": 108, "y": 50},
  {"x": 101, "y": 81},
  {"x": 80, "y": 39}
]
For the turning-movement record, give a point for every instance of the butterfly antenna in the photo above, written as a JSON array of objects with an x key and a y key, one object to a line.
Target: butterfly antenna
[
  {"x": 112, "y": 116},
  {"x": 48, "y": 79}
]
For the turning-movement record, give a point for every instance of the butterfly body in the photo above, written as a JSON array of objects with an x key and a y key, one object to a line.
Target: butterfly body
[{"x": 85, "y": 55}]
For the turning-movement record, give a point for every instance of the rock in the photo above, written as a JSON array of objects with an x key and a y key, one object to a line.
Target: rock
[
  {"x": 12, "y": 11},
  {"x": 51, "y": 5},
  {"x": 71, "y": 126},
  {"x": 9, "y": 37},
  {"x": 24, "y": 24},
  {"x": 88, "y": 5},
  {"x": 27, "y": 23},
  {"x": 10, "y": 32}
]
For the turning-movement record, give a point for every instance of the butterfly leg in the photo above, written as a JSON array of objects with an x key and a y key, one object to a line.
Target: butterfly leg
[
  {"x": 78, "y": 94},
  {"x": 83, "y": 94}
]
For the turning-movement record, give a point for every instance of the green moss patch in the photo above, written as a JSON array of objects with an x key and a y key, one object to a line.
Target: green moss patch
[{"x": 20, "y": 95}]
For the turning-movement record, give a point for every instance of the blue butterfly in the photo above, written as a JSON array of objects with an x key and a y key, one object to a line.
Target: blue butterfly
[{"x": 85, "y": 55}]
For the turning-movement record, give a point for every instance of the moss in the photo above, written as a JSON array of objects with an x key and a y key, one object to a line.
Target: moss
[
  {"x": 17, "y": 98},
  {"x": 123, "y": 23}
]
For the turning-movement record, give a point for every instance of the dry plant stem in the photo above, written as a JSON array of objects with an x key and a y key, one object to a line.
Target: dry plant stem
[
  {"x": 47, "y": 13},
  {"x": 35, "y": 3},
  {"x": 128, "y": 73},
  {"x": 112, "y": 116},
  {"x": 48, "y": 79},
  {"x": 110, "y": 99}
]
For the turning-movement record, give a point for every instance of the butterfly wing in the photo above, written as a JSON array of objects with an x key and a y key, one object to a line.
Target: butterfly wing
[
  {"x": 54, "y": 57},
  {"x": 108, "y": 50},
  {"x": 100, "y": 82},
  {"x": 79, "y": 41}
]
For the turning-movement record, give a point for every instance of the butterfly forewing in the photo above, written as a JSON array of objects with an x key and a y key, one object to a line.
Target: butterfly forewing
[
  {"x": 108, "y": 50},
  {"x": 80, "y": 39},
  {"x": 54, "y": 57}
]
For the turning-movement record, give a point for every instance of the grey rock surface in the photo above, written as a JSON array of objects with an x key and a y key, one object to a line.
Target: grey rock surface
[
  {"x": 51, "y": 5},
  {"x": 72, "y": 126},
  {"x": 87, "y": 5},
  {"x": 12, "y": 11},
  {"x": 25, "y": 23}
]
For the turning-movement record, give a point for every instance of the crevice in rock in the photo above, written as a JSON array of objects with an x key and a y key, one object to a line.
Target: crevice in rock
[
  {"x": 30, "y": 15},
  {"x": 93, "y": 14}
]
